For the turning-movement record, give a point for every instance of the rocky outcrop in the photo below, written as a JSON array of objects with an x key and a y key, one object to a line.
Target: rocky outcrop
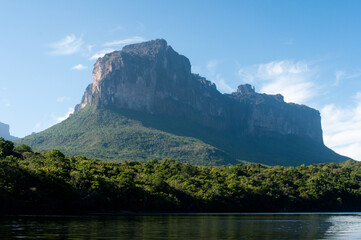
[
  {"x": 151, "y": 77},
  {"x": 5, "y": 132},
  {"x": 263, "y": 113}
]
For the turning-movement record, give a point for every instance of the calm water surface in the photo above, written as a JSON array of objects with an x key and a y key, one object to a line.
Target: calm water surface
[{"x": 190, "y": 226}]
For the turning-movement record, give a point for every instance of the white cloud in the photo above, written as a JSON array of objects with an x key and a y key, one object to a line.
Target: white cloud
[
  {"x": 79, "y": 67},
  {"x": 342, "y": 128},
  {"x": 294, "y": 80},
  {"x": 101, "y": 53},
  {"x": 222, "y": 85},
  {"x": 247, "y": 75},
  {"x": 341, "y": 75},
  {"x": 217, "y": 78},
  {"x": 62, "y": 99},
  {"x": 134, "y": 39},
  {"x": 67, "y": 46},
  {"x": 59, "y": 119},
  {"x": 291, "y": 79}
]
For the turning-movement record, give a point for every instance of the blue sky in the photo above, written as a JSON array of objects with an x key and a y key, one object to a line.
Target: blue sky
[{"x": 309, "y": 51}]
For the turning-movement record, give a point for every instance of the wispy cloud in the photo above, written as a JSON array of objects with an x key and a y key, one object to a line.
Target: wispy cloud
[
  {"x": 292, "y": 79},
  {"x": 67, "y": 46},
  {"x": 342, "y": 128},
  {"x": 338, "y": 75},
  {"x": 62, "y": 99},
  {"x": 59, "y": 119},
  {"x": 221, "y": 83},
  {"x": 90, "y": 49},
  {"x": 101, "y": 53},
  {"x": 134, "y": 39},
  {"x": 79, "y": 67},
  {"x": 342, "y": 75}
]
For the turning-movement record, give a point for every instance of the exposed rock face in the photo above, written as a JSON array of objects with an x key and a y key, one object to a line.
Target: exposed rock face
[
  {"x": 151, "y": 77},
  {"x": 5, "y": 132},
  {"x": 262, "y": 113}
]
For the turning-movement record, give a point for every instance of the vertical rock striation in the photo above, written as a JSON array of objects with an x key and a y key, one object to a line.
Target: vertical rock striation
[{"x": 151, "y": 77}]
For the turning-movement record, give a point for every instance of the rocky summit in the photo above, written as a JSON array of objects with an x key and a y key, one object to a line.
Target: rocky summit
[
  {"x": 5, "y": 132},
  {"x": 151, "y": 77},
  {"x": 151, "y": 86}
]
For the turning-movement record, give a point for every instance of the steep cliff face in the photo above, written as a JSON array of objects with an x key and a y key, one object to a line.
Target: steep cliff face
[
  {"x": 5, "y": 132},
  {"x": 145, "y": 103},
  {"x": 262, "y": 113},
  {"x": 151, "y": 77}
]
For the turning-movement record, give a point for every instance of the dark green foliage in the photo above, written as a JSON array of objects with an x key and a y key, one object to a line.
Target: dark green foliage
[
  {"x": 54, "y": 154},
  {"x": 53, "y": 183},
  {"x": 6, "y": 147},
  {"x": 22, "y": 148},
  {"x": 113, "y": 134}
]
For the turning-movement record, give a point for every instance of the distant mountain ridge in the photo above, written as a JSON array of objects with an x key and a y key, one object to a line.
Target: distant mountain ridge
[
  {"x": 5, "y": 132},
  {"x": 150, "y": 90}
]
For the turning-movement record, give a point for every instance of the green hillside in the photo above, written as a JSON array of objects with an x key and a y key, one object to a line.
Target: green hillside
[
  {"x": 113, "y": 134},
  {"x": 124, "y": 135}
]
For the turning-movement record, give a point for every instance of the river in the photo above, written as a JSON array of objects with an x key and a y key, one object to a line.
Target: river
[{"x": 185, "y": 226}]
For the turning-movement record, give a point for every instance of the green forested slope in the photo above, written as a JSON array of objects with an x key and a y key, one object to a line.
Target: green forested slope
[
  {"x": 125, "y": 135},
  {"x": 114, "y": 134},
  {"x": 52, "y": 183}
]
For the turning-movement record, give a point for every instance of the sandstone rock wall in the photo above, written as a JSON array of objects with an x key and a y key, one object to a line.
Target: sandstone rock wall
[{"x": 153, "y": 78}]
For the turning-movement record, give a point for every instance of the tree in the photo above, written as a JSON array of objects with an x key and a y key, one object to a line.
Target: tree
[
  {"x": 6, "y": 147},
  {"x": 22, "y": 148}
]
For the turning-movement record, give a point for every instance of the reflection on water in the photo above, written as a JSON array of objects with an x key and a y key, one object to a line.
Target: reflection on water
[
  {"x": 344, "y": 227},
  {"x": 190, "y": 226}
]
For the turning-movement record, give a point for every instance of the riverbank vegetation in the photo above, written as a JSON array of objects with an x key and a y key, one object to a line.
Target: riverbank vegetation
[{"x": 50, "y": 182}]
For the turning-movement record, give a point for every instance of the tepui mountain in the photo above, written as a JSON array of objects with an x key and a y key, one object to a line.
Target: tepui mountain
[
  {"x": 5, "y": 132},
  {"x": 144, "y": 102}
]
